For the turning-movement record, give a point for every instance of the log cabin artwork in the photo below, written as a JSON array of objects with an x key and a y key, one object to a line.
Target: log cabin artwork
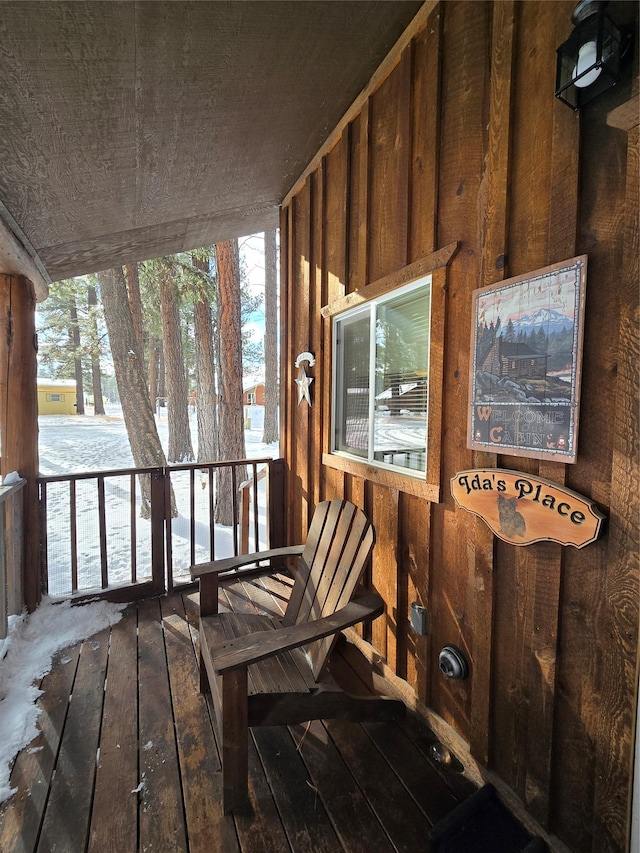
[
  {"x": 522, "y": 509},
  {"x": 526, "y": 344}
]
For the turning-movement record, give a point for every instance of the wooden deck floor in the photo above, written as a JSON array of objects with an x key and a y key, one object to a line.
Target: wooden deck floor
[{"x": 127, "y": 760}]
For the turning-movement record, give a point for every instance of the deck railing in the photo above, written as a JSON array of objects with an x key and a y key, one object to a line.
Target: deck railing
[
  {"x": 95, "y": 535},
  {"x": 11, "y": 542}
]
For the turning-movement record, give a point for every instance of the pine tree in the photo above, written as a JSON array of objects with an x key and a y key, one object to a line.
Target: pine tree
[
  {"x": 166, "y": 274},
  {"x": 205, "y": 362},
  {"x": 231, "y": 443},
  {"x": 131, "y": 378}
]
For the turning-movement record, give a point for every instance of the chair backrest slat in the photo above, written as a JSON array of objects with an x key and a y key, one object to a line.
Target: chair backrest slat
[
  {"x": 306, "y": 563},
  {"x": 338, "y": 546},
  {"x": 328, "y": 561}
]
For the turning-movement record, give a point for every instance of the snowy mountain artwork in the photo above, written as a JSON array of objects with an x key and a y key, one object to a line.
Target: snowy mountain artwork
[
  {"x": 526, "y": 359},
  {"x": 548, "y": 319}
]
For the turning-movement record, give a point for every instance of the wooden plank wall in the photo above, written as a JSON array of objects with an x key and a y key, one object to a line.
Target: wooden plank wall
[{"x": 459, "y": 138}]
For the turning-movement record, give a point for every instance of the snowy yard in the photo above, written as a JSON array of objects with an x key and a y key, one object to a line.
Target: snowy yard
[{"x": 84, "y": 443}]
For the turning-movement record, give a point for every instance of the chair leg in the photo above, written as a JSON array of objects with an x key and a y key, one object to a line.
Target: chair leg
[
  {"x": 205, "y": 687},
  {"x": 235, "y": 740}
]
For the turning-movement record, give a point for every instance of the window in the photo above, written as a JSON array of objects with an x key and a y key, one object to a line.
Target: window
[
  {"x": 55, "y": 398},
  {"x": 387, "y": 349},
  {"x": 381, "y": 369}
]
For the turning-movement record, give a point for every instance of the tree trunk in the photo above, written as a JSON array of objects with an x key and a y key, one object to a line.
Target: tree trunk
[
  {"x": 205, "y": 373},
  {"x": 135, "y": 303},
  {"x": 130, "y": 376},
  {"x": 231, "y": 422},
  {"x": 271, "y": 430},
  {"x": 180, "y": 447},
  {"x": 74, "y": 333},
  {"x": 153, "y": 372},
  {"x": 96, "y": 379}
]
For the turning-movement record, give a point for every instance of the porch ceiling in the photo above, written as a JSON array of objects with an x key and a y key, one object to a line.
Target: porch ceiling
[{"x": 137, "y": 129}]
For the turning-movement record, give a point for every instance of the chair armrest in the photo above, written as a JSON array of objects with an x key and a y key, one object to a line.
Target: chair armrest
[
  {"x": 255, "y": 647},
  {"x": 229, "y": 563}
]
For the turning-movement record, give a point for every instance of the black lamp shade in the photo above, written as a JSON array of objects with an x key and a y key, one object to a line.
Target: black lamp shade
[{"x": 590, "y": 60}]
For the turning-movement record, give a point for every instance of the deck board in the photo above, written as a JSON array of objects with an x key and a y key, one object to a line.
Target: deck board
[
  {"x": 21, "y": 816},
  {"x": 114, "y": 820},
  {"x": 352, "y": 816},
  {"x": 123, "y": 708},
  {"x": 161, "y": 815},
  {"x": 66, "y": 819}
]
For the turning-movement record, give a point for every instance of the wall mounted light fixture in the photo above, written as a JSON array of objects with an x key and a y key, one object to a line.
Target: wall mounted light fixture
[{"x": 592, "y": 59}]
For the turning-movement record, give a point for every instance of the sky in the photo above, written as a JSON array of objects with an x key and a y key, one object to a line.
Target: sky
[
  {"x": 557, "y": 290},
  {"x": 252, "y": 254}
]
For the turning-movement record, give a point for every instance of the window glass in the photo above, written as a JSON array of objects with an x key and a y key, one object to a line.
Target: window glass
[
  {"x": 402, "y": 367},
  {"x": 381, "y": 379},
  {"x": 353, "y": 367}
]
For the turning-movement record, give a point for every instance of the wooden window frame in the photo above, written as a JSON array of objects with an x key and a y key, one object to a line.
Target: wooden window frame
[{"x": 427, "y": 486}]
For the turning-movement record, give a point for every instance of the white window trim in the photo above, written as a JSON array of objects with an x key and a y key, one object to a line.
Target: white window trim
[
  {"x": 371, "y": 310},
  {"x": 426, "y": 486}
]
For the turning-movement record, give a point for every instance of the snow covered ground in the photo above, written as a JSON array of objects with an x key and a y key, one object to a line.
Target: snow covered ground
[{"x": 84, "y": 443}]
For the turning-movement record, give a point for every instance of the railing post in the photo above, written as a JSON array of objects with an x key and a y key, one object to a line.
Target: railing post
[
  {"x": 158, "y": 512},
  {"x": 244, "y": 517},
  {"x": 11, "y": 553},
  {"x": 4, "y": 595},
  {"x": 275, "y": 503},
  {"x": 14, "y": 553}
]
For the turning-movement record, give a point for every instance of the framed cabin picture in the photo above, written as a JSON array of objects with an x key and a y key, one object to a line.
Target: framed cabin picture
[{"x": 526, "y": 351}]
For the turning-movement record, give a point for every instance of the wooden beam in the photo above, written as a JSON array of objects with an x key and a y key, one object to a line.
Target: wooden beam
[
  {"x": 620, "y": 658},
  {"x": 19, "y": 413},
  {"x": 18, "y": 257},
  {"x": 494, "y": 213}
]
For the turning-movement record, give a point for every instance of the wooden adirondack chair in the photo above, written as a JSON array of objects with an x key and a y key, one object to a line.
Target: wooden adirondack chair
[{"x": 265, "y": 671}]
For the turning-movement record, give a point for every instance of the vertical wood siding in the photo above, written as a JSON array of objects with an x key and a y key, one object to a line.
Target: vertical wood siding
[{"x": 461, "y": 140}]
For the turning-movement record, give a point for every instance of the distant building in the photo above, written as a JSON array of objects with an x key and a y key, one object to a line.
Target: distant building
[
  {"x": 253, "y": 395},
  {"x": 57, "y": 397}
]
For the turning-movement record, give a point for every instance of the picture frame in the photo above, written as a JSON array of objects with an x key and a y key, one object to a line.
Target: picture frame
[{"x": 526, "y": 362}]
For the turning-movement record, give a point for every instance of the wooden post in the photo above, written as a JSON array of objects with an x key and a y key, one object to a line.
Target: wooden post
[
  {"x": 276, "y": 520},
  {"x": 160, "y": 510},
  {"x": 244, "y": 516},
  {"x": 19, "y": 413},
  {"x": 620, "y": 663}
]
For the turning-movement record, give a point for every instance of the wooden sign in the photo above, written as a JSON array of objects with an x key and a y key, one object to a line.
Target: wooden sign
[{"x": 522, "y": 509}]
